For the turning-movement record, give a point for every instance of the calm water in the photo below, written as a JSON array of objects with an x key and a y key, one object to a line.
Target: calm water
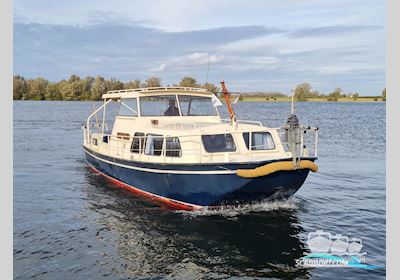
[{"x": 72, "y": 224}]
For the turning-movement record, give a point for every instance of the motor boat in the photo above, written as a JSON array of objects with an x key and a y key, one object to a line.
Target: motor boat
[{"x": 171, "y": 145}]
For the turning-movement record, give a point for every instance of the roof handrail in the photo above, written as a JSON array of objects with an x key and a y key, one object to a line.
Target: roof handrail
[{"x": 150, "y": 89}]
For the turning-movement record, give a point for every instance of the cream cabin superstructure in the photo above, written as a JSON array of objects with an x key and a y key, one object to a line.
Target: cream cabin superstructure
[{"x": 188, "y": 129}]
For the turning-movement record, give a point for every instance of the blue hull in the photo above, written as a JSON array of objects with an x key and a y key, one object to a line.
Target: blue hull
[{"x": 198, "y": 188}]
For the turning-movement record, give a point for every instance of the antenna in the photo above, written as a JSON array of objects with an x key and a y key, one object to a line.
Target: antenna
[{"x": 208, "y": 67}]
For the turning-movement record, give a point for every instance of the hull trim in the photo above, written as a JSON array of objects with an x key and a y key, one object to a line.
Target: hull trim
[
  {"x": 227, "y": 171},
  {"x": 171, "y": 203}
]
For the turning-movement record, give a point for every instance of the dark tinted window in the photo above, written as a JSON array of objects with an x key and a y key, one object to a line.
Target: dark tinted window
[
  {"x": 218, "y": 143},
  {"x": 259, "y": 141},
  {"x": 154, "y": 144},
  {"x": 173, "y": 147},
  {"x": 137, "y": 143}
]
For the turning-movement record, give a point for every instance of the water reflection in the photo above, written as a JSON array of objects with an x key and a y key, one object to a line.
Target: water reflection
[{"x": 152, "y": 241}]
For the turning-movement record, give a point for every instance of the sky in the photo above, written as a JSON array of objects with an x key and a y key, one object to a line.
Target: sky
[{"x": 254, "y": 45}]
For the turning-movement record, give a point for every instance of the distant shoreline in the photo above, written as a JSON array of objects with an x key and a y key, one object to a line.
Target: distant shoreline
[
  {"x": 364, "y": 99},
  {"x": 319, "y": 99}
]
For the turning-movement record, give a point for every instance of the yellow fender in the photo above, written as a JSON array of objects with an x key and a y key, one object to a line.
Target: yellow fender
[{"x": 274, "y": 167}]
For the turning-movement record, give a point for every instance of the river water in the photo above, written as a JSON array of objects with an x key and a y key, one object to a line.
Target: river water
[{"x": 72, "y": 224}]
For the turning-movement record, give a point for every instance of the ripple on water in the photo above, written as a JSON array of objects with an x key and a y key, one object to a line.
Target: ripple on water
[{"x": 72, "y": 224}]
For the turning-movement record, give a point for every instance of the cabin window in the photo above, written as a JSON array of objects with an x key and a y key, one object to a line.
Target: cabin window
[
  {"x": 128, "y": 107},
  {"x": 259, "y": 141},
  {"x": 196, "y": 106},
  {"x": 163, "y": 105},
  {"x": 138, "y": 143},
  {"x": 173, "y": 147},
  {"x": 218, "y": 143},
  {"x": 154, "y": 144}
]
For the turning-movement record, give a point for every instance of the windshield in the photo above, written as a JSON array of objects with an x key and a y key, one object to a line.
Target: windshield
[
  {"x": 167, "y": 105},
  {"x": 163, "y": 105},
  {"x": 196, "y": 106}
]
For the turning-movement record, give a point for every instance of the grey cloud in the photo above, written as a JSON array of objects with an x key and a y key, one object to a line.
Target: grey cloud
[
  {"x": 106, "y": 38},
  {"x": 55, "y": 49}
]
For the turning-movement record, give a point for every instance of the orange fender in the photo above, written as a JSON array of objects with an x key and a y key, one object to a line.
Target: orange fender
[{"x": 270, "y": 168}]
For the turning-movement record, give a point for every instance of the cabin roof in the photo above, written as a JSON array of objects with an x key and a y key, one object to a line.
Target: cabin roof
[{"x": 153, "y": 90}]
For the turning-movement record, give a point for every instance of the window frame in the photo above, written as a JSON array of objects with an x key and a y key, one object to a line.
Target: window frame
[
  {"x": 212, "y": 151},
  {"x": 157, "y": 136},
  {"x": 127, "y": 107},
  {"x": 173, "y": 150},
  {"x": 141, "y": 140},
  {"x": 216, "y": 113},
  {"x": 247, "y": 142}
]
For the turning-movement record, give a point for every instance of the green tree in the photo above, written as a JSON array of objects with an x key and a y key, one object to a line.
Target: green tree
[
  {"x": 152, "y": 82},
  {"x": 52, "y": 92},
  {"x": 77, "y": 89},
  {"x": 302, "y": 91},
  {"x": 74, "y": 78},
  {"x": 99, "y": 88},
  {"x": 314, "y": 94},
  {"x": 211, "y": 87},
  {"x": 20, "y": 88},
  {"x": 384, "y": 94},
  {"x": 37, "y": 88},
  {"x": 115, "y": 84},
  {"x": 132, "y": 84},
  {"x": 65, "y": 90},
  {"x": 188, "y": 82},
  {"x": 86, "y": 87},
  {"x": 71, "y": 89},
  {"x": 336, "y": 93}
]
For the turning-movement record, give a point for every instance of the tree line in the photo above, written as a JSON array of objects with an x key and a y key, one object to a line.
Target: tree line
[
  {"x": 89, "y": 88},
  {"x": 304, "y": 91},
  {"x": 92, "y": 88}
]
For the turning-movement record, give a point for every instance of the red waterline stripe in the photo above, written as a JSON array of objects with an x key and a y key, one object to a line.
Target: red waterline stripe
[{"x": 172, "y": 203}]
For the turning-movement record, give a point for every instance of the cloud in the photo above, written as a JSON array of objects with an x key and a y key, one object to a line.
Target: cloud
[
  {"x": 200, "y": 59},
  {"x": 55, "y": 51},
  {"x": 159, "y": 68}
]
